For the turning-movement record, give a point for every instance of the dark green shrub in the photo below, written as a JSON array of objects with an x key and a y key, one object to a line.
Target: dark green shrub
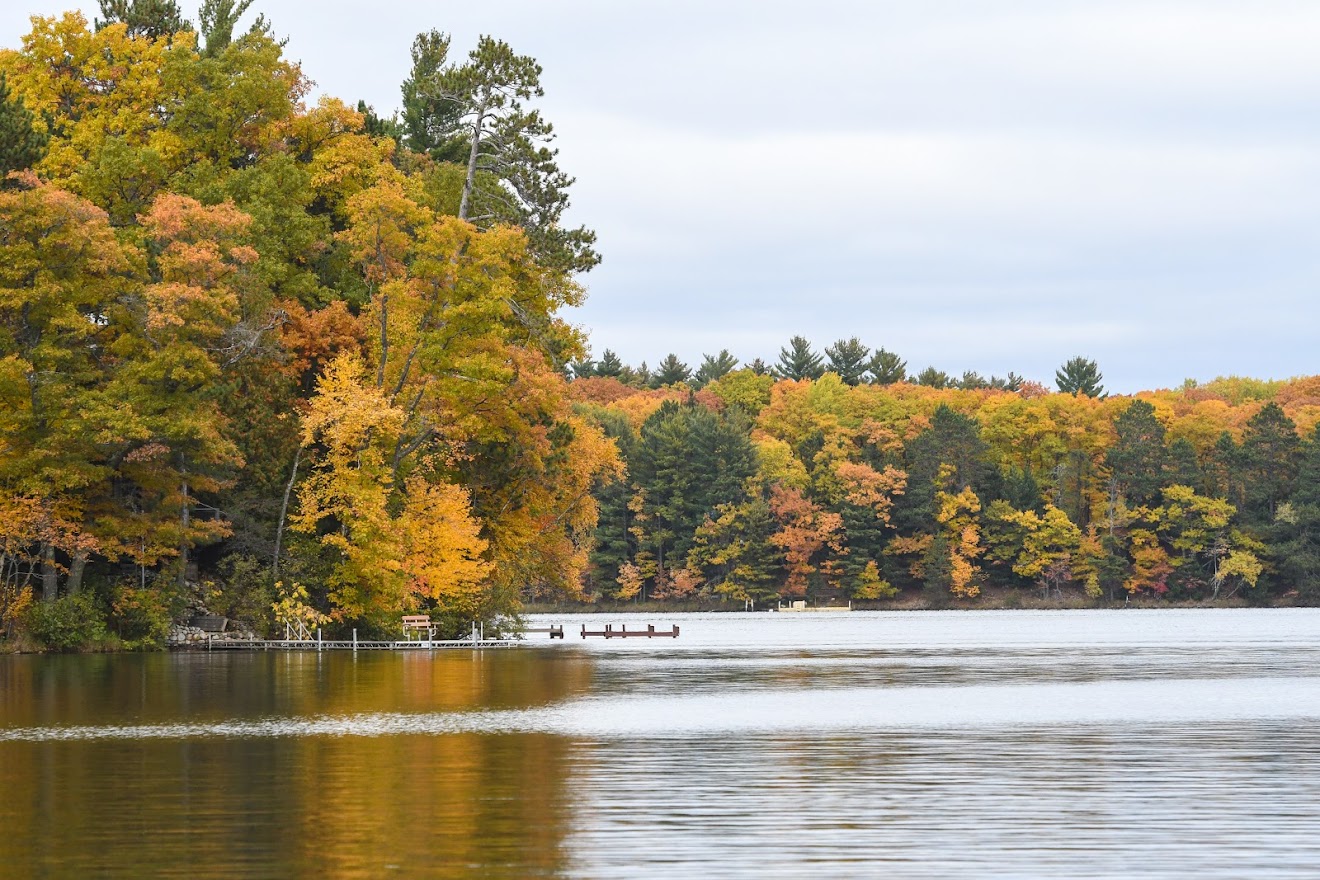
[{"x": 67, "y": 624}]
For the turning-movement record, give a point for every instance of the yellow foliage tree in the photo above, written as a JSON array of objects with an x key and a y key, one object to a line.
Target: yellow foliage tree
[
  {"x": 957, "y": 518},
  {"x": 442, "y": 549},
  {"x": 345, "y": 500},
  {"x": 1047, "y": 546}
]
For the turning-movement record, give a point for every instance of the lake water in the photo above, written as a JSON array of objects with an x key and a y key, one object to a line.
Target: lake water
[{"x": 1170, "y": 743}]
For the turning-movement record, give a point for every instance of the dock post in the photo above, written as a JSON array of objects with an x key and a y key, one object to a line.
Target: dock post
[
  {"x": 318, "y": 638},
  {"x": 355, "y": 638}
]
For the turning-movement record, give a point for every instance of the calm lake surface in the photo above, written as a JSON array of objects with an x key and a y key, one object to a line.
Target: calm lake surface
[{"x": 1175, "y": 743}]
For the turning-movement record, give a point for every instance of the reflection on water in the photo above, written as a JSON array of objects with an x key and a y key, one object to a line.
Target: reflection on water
[
  {"x": 208, "y": 799},
  {"x": 1005, "y": 744},
  {"x": 1122, "y": 801}
]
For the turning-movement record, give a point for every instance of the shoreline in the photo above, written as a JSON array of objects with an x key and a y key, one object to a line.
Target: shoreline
[{"x": 914, "y": 605}]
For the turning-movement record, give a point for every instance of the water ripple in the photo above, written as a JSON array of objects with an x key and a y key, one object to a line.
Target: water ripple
[{"x": 802, "y": 711}]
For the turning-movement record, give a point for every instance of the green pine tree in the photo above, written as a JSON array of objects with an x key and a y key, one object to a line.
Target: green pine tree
[
  {"x": 1298, "y": 520},
  {"x": 613, "y": 544},
  {"x": 886, "y": 368},
  {"x": 849, "y": 360},
  {"x": 1138, "y": 459},
  {"x": 1182, "y": 467},
  {"x": 145, "y": 18},
  {"x": 216, "y": 21},
  {"x": 670, "y": 371},
  {"x": 952, "y": 439},
  {"x": 430, "y": 122},
  {"x": 477, "y": 113},
  {"x": 21, "y": 145},
  {"x": 378, "y": 126},
  {"x": 1080, "y": 376},
  {"x": 715, "y": 367},
  {"x": 609, "y": 365},
  {"x": 1269, "y": 460},
  {"x": 971, "y": 381},
  {"x": 798, "y": 361},
  {"x": 689, "y": 460},
  {"x": 933, "y": 378}
]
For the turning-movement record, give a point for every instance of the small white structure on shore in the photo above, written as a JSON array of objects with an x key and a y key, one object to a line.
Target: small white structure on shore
[{"x": 800, "y": 605}]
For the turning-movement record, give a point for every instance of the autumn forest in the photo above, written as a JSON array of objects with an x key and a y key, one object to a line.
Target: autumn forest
[{"x": 295, "y": 360}]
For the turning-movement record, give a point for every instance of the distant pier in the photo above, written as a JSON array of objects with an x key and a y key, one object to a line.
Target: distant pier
[
  {"x": 800, "y": 607},
  {"x": 609, "y": 632}
]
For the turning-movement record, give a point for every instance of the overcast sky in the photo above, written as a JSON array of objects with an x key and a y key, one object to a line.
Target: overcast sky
[{"x": 993, "y": 185}]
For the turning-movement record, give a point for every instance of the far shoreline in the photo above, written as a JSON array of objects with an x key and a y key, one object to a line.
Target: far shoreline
[{"x": 914, "y": 604}]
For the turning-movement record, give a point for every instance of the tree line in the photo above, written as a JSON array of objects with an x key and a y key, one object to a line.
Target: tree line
[
  {"x": 300, "y": 360},
  {"x": 755, "y": 488},
  {"x": 850, "y": 360}
]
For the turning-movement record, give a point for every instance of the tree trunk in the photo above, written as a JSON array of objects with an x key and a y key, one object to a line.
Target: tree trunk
[
  {"x": 465, "y": 203},
  {"x": 76, "y": 568},
  {"x": 50, "y": 576},
  {"x": 284, "y": 511},
  {"x": 384, "y": 302},
  {"x": 185, "y": 520}
]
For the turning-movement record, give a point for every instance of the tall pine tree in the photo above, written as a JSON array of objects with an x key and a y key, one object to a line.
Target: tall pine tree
[
  {"x": 849, "y": 360},
  {"x": 145, "y": 18},
  {"x": 1137, "y": 460},
  {"x": 1080, "y": 376},
  {"x": 798, "y": 361},
  {"x": 21, "y": 145}
]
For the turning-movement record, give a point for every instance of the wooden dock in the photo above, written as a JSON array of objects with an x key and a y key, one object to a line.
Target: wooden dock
[
  {"x": 353, "y": 645},
  {"x": 556, "y": 630},
  {"x": 474, "y": 642},
  {"x": 609, "y": 632}
]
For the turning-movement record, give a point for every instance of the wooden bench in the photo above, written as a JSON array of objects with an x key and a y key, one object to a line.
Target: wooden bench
[{"x": 417, "y": 623}]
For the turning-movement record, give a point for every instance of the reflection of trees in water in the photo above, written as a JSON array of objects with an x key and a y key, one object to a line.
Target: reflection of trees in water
[
  {"x": 459, "y": 805},
  {"x": 450, "y": 805}
]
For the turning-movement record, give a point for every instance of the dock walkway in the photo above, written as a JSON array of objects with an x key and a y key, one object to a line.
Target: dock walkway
[
  {"x": 357, "y": 645},
  {"x": 609, "y": 632}
]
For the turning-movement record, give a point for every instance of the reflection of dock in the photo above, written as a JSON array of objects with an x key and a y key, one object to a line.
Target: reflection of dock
[
  {"x": 799, "y": 606},
  {"x": 609, "y": 632}
]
